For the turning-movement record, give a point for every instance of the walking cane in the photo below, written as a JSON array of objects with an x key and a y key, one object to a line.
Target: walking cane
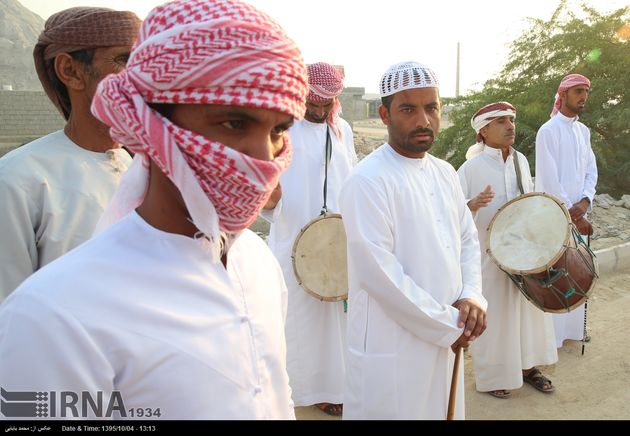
[
  {"x": 588, "y": 243},
  {"x": 453, "y": 394}
]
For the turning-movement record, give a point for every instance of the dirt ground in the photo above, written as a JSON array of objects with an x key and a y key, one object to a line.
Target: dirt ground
[{"x": 595, "y": 385}]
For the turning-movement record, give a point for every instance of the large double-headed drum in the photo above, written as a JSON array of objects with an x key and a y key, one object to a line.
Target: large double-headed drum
[
  {"x": 319, "y": 258},
  {"x": 532, "y": 239}
]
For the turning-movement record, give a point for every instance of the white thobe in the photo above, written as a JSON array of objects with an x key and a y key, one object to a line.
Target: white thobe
[
  {"x": 519, "y": 335},
  {"x": 315, "y": 329},
  {"x": 150, "y": 315},
  {"x": 53, "y": 193},
  {"x": 412, "y": 253},
  {"x": 566, "y": 168}
]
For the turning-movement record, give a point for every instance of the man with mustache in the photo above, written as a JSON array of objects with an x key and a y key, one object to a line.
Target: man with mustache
[
  {"x": 315, "y": 329},
  {"x": 176, "y": 308},
  {"x": 519, "y": 336},
  {"x": 54, "y": 190},
  {"x": 414, "y": 268},
  {"x": 566, "y": 168}
]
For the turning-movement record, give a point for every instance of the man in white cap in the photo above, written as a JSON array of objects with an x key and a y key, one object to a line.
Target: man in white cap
[
  {"x": 566, "y": 167},
  {"x": 315, "y": 329},
  {"x": 414, "y": 268},
  {"x": 519, "y": 335}
]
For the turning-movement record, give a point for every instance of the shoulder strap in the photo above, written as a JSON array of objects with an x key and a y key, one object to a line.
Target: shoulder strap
[
  {"x": 328, "y": 155},
  {"x": 519, "y": 179}
]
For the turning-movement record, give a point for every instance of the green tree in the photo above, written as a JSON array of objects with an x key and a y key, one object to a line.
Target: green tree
[{"x": 596, "y": 45}]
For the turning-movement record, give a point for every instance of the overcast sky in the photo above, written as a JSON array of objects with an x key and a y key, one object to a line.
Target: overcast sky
[{"x": 368, "y": 36}]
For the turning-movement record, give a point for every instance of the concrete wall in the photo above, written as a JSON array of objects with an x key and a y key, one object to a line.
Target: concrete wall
[
  {"x": 353, "y": 105},
  {"x": 25, "y": 116}
]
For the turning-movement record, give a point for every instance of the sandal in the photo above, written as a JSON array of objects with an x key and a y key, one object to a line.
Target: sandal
[
  {"x": 501, "y": 393},
  {"x": 330, "y": 409},
  {"x": 539, "y": 381}
]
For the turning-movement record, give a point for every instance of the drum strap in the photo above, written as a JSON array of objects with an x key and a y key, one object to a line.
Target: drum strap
[
  {"x": 328, "y": 155},
  {"x": 519, "y": 179}
]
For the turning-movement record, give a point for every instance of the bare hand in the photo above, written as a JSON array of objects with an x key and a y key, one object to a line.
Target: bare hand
[
  {"x": 481, "y": 200},
  {"x": 578, "y": 210},
  {"x": 583, "y": 226},
  {"x": 461, "y": 342},
  {"x": 472, "y": 317},
  {"x": 275, "y": 197}
]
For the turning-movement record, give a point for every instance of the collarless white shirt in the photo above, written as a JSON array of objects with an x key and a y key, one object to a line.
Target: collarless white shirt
[
  {"x": 565, "y": 162},
  {"x": 149, "y": 314}
]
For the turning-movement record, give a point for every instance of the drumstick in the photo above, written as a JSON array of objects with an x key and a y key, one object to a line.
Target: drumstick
[{"x": 451, "y": 398}]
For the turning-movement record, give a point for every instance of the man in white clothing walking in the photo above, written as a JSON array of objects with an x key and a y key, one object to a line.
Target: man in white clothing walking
[
  {"x": 413, "y": 263},
  {"x": 315, "y": 329},
  {"x": 519, "y": 335},
  {"x": 566, "y": 168}
]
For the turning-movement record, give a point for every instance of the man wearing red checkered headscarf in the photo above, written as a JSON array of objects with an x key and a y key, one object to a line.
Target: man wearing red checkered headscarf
[
  {"x": 566, "y": 168},
  {"x": 174, "y": 308},
  {"x": 315, "y": 329}
]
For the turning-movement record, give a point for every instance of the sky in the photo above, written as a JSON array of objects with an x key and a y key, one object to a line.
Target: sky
[{"x": 366, "y": 37}]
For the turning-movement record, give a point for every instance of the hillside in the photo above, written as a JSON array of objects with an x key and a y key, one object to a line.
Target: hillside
[{"x": 19, "y": 29}]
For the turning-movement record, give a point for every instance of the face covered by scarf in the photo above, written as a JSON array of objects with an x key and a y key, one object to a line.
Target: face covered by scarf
[{"x": 220, "y": 52}]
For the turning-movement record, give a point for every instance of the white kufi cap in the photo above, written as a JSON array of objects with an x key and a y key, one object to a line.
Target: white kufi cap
[{"x": 407, "y": 75}]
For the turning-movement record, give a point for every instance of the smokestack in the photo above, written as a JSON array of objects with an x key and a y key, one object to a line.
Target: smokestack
[{"x": 457, "y": 74}]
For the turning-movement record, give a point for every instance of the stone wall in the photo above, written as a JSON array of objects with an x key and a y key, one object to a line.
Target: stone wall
[{"x": 25, "y": 116}]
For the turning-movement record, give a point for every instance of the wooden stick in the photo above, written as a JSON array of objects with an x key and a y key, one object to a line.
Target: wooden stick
[{"x": 453, "y": 394}]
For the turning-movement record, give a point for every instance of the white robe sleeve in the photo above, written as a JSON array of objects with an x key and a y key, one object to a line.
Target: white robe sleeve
[
  {"x": 45, "y": 349},
  {"x": 18, "y": 247},
  {"x": 546, "y": 167},
  {"x": 591, "y": 174},
  {"x": 463, "y": 174},
  {"x": 352, "y": 153},
  {"x": 470, "y": 256},
  {"x": 374, "y": 268},
  {"x": 271, "y": 215}
]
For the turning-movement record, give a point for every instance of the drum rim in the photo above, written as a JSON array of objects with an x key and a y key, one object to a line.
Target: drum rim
[
  {"x": 327, "y": 215},
  {"x": 554, "y": 259}
]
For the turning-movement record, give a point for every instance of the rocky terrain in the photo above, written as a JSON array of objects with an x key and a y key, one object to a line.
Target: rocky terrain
[{"x": 19, "y": 30}]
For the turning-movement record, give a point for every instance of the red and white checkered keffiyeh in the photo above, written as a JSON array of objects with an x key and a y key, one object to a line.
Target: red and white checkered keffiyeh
[
  {"x": 325, "y": 81},
  {"x": 568, "y": 82},
  {"x": 202, "y": 52}
]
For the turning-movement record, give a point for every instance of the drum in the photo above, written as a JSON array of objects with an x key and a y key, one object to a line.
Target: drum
[
  {"x": 319, "y": 258},
  {"x": 531, "y": 238}
]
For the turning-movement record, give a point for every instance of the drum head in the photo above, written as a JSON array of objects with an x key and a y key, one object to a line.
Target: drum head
[
  {"x": 319, "y": 258},
  {"x": 529, "y": 233}
]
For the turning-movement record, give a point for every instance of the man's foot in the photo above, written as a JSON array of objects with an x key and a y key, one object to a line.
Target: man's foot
[
  {"x": 501, "y": 393},
  {"x": 331, "y": 409},
  {"x": 535, "y": 378}
]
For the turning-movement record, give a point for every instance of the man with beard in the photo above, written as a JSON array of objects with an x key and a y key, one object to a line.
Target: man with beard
[
  {"x": 414, "y": 268},
  {"x": 176, "y": 309},
  {"x": 519, "y": 335},
  {"x": 566, "y": 168},
  {"x": 54, "y": 190},
  {"x": 315, "y": 329}
]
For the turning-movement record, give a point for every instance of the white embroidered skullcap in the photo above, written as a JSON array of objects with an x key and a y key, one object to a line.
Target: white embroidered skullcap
[{"x": 407, "y": 75}]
